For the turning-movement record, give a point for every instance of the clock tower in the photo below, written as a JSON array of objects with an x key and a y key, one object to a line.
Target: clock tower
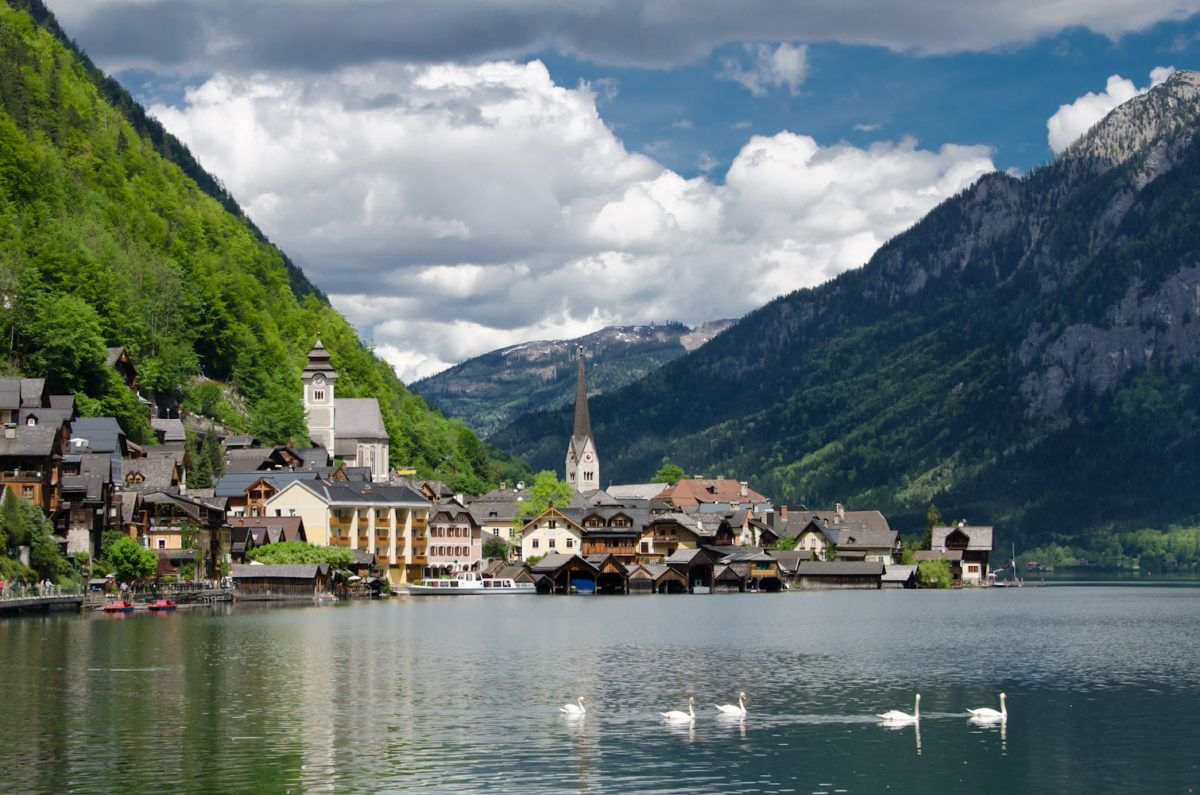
[{"x": 318, "y": 378}]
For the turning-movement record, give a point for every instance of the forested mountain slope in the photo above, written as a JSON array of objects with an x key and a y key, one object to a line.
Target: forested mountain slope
[
  {"x": 490, "y": 391},
  {"x": 1028, "y": 354},
  {"x": 103, "y": 242}
]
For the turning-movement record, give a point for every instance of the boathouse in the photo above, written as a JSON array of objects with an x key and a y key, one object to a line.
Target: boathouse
[
  {"x": 564, "y": 573},
  {"x": 613, "y": 576},
  {"x": 839, "y": 574},
  {"x": 256, "y": 582},
  {"x": 656, "y": 578}
]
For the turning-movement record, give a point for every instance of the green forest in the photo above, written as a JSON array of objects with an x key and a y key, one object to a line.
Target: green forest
[{"x": 108, "y": 239}]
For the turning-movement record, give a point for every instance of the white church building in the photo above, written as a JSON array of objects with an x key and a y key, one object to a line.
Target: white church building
[{"x": 349, "y": 428}]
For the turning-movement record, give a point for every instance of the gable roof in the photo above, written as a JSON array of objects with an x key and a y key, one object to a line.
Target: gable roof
[
  {"x": 693, "y": 492},
  {"x": 280, "y": 571},
  {"x": 28, "y": 441},
  {"x": 979, "y": 537},
  {"x": 354, "y": 419},
  {"x": 840, "y": 568}
]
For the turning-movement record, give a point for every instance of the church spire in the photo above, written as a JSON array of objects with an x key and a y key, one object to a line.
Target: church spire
[
  {"x": 583, "y": 422},
  {"x": 583, "y": 464}
]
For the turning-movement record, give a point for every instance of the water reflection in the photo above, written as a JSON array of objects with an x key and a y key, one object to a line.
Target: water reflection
[{"x": 465, "y": 696}]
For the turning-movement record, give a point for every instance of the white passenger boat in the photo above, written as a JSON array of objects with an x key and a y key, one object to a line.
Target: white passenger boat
[{"x": 469, "y": 582}]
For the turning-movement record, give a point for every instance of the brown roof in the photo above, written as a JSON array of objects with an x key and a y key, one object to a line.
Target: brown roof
[{"x": 690, "y": 493}]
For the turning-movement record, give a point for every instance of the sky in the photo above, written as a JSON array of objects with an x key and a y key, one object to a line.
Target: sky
[{"x": 461, "y": 175}]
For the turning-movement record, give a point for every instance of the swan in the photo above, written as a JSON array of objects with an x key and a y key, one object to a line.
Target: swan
[
  {"x": 989, "y": 714},
  {"x": 896, "y": 716},
  {"x": 676, "y": 716},
  {"x": 730, "y": 709},
  {"x": 575, "y": 709}
]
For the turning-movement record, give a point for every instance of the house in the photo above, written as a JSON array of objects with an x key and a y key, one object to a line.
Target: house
[
  {"x": 856, "y": 535},
  {"x": 248, "y": 492},
  {"x": 168, "y": 431},
  {"x": 250, "y": 532},
  {"x": 157, "y": 471},
  {"x": 551, "y": 532},
  {"x": 118, "y": 359},
  {"x": 612, "y": 530},
  {"x": 87, "y": 508},
  {"x": 455, "y": 538},
  {"x": 184, "y": 532},
  {"x": 839, "y": 575},
  {"x": 665, "y": 534},
  {"x": 389, "y": 522},
  {"x": 758, "y": 568},
  {"x": 495, "y": 510},
  {"x": 899, "y": 576},
  {"x": 30, "y": 463},
  {"x": 974, "y": 542},
  {"x": 302, "y": 581}
]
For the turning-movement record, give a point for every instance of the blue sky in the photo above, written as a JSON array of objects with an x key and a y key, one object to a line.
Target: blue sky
[{"x": 461, "y": 175}]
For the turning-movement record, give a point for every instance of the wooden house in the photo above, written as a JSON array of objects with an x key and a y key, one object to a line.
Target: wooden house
[
  {"x": 666, "y": 534},
  {"x": 839, "y": 575},
  {"x": 612, "y": 577},
  {"x": 565, "y": 573},
  {"x": 697, "y": 566},
  {"x": 656, "y": 578},
  {"x": 973, "y": 542},
  {"x": 300, "y": 581}
]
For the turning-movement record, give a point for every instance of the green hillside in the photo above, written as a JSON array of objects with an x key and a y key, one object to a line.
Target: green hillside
[
  {"x": 104, "y": 242},
  {"x": 1027, "y": 355}
]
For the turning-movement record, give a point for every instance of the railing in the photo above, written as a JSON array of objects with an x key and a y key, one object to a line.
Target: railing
[
  {"x": 420, "y": 559},
  {"x": 23, "y": 591}
]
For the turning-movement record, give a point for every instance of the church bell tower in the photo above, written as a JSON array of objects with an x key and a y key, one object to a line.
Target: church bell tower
[
  {"x": 583, "y": 465},
  {"x": 318, "y": 378}
]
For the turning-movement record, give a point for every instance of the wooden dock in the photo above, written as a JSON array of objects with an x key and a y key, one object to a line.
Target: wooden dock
[{"x": 29, "y": 605}]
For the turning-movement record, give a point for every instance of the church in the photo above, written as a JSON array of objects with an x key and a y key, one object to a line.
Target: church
[
  {"x": 583, "y": 464},
  {"x": 349, "y": 428}
]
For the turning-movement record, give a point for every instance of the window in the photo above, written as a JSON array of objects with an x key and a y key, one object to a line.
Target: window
[
  {"x": 552, "y": 523},
  {"x": 27, "y": 492},
  {"x": 533, "y": 544},
  {"x": 570, "y": 543},
  {"x": 318, "y": 394},
  {"x": 162, "y": 543},
  {"x": 588, "y": 475},
  {"x": 550, "y": 543}
]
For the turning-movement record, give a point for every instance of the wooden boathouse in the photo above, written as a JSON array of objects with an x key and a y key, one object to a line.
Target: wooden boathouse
[{"x": 254, "y": 582}]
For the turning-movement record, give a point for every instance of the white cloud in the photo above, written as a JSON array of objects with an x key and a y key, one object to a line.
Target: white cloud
[
  {"x": 450, "y": 210},
  {"x": 786, "y": 65},
  {"x": 1074, "y": 119}
]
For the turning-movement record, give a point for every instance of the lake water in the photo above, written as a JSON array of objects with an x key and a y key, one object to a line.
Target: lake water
[{"x": 462, "y": 694}]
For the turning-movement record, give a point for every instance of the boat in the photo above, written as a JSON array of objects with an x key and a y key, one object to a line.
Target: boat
[
  {"x": 122, "y": 606},
  {"x": 161, "y": 606},
  {"x": 469, "y": 582},
  {"x": 326, "y": 599}
]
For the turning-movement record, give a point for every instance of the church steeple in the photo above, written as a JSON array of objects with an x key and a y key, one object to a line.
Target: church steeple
[{"x": 583, "y": 464}]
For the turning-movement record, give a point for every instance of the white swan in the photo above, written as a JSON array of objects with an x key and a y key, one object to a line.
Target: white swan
[
  {"x": 896, "y": 716},
  {"x": 987, "y": 714},
  {"x": 575, "y": 709},
  {"x": 675, "y": 716},
  {"x": 734, "y": 711}
]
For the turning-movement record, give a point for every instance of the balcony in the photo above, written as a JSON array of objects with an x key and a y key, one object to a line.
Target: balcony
[
  {"x": 419, "y": 560},
  {"x": 420, "y": 542},
  {"x": 383, "y": 558},
  {"x": 339, "y": 541},
  {"x": 666, "y": 537}
]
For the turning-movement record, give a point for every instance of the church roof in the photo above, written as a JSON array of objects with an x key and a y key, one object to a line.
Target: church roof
[
  {"x": 318, "y": 363},
  {"x": 583, "y": 421},
  {"x": 357, "y": 418}
]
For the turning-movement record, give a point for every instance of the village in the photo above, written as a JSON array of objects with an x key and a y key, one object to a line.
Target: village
[{"x": 695, "y": 535}]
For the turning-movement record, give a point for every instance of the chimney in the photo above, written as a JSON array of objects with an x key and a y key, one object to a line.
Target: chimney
[
  {"x": 782, "y": 511},
  {"x": 770, "y": 516},
  {"x": 841, "y": 512},
  {"x": 10, "y": 432},
  {"x": 743, "y": 489}
]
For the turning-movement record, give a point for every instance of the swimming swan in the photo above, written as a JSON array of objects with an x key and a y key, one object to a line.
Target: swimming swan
[
  {"x": 896, "y": 716},
  {"x": 574, "y": 709},
  {"x": 734, "y": 711},
  {"x": 989, "y": 714},
  {"x": 676, "y": 716}
]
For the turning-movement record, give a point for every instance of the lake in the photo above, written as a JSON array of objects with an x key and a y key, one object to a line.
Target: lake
[{"x": 462, "y": 694}]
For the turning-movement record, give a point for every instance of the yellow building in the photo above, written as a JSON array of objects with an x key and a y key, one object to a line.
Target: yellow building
[{"x": 389, "y": 522}]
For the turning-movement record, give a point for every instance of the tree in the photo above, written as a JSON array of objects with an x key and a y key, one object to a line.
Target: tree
[
  {"x": 830, "y": 552},
  {"x": 300, "y": 552},
  {"x": 669, "y": 474},
  {"x": 933, "y": 518},
  {"x": 495, "y": 547},
  {"x": 934, "y": 573},
  {"x": 131, "y": 561},
  {"x": 784, "y": 543},
  {"x": 547, "y": 492}
]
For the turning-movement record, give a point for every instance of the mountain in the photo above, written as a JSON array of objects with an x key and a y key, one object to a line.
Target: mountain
[
  {"x": 490, "y": 391},
  {"x": 1027, "y": 355},
  {"x": 111, "y": 234}
]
